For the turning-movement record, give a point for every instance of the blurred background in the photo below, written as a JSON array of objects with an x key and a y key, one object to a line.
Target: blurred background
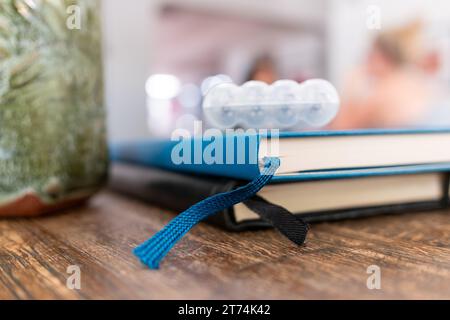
[{"x": 389, "y": 59}]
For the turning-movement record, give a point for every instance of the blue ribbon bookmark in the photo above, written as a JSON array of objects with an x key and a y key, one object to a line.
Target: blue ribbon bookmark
[{"x": 156, "y": 248}]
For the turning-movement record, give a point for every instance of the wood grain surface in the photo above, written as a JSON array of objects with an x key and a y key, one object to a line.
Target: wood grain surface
[{"x": 413, "y": 252}]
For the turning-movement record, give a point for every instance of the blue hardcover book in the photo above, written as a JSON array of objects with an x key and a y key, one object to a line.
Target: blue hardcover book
[{"x": 304, "y": 155}]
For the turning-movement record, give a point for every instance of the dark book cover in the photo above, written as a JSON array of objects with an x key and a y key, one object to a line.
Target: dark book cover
[{"x": 179, "y": 191}]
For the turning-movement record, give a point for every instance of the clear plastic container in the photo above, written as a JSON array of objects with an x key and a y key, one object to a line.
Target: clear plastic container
[{"x": 283, "y": 105}]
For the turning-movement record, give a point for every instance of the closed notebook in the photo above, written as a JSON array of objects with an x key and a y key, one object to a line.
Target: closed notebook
[
  {"x": 396, "y": 191},
  {"x": 304, "y": 156},
  {"x": 295, "y": 178}
]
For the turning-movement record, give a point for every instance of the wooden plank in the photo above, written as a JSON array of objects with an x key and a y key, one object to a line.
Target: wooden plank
[{"x": 413, "y": 252}]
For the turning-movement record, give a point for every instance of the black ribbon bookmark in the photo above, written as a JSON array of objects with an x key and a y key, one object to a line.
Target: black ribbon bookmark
[{"x": 288, "y": 224}]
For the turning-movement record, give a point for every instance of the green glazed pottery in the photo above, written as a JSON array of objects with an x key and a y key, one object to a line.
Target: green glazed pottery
[{"x": 52, "y": 120}]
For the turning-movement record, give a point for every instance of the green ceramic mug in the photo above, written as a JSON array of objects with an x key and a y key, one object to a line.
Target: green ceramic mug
[{"x": 52, "y": 124}]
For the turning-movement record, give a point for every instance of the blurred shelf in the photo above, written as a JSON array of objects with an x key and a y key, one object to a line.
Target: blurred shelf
[{"x": 304, "y": 14}]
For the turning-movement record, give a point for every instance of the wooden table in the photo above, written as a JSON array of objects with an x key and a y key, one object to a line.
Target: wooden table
[{"x": 412, "y": 251}]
